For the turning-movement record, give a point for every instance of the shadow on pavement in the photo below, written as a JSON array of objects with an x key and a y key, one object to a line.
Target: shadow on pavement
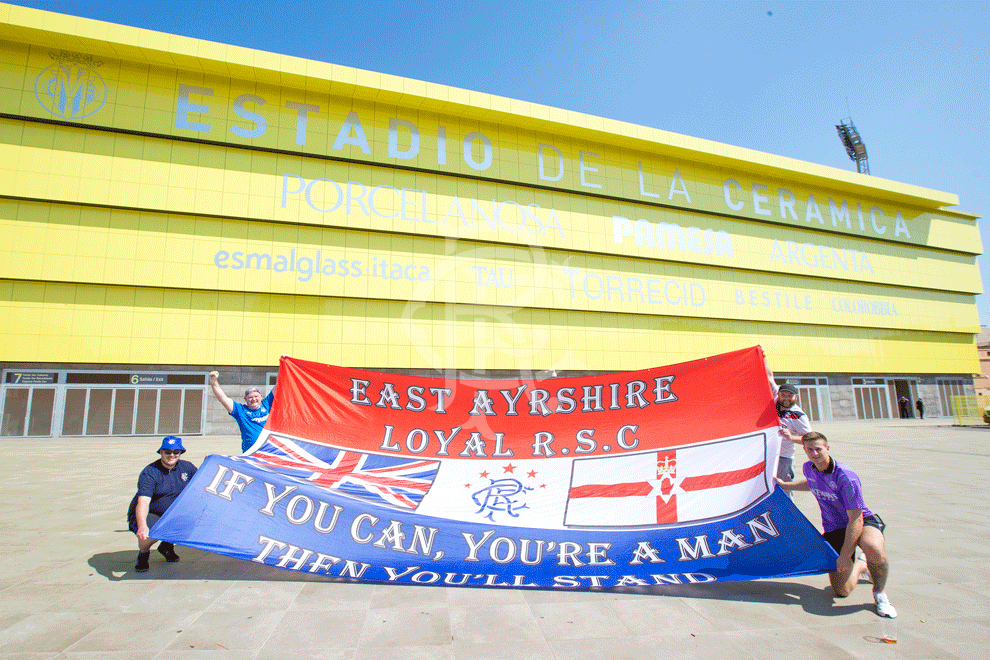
[
  {"x": 818, "y": 601},
  {"x": 201, "y": 565},
  {"x": 193, "y": 565}
]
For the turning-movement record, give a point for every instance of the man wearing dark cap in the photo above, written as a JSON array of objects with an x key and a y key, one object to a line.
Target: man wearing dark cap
[
  {"x": 793, "y": 425},
  {"x": 158, "y": 486}
]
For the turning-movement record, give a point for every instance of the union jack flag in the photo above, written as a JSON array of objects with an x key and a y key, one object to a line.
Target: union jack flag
[{"x": 389, "y": 480}]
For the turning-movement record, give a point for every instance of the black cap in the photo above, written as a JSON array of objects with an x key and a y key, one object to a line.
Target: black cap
[{"x": 787, "y": 387}]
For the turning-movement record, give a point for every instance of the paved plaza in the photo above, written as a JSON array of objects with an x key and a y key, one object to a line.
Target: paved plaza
[{"x": 68, "y": 588}]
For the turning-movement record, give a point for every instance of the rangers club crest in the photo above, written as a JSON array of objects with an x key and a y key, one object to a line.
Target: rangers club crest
[{"x": 70, "y": 88}]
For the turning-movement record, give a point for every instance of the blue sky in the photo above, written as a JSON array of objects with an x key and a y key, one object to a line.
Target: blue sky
[{"x": 771, "y": 76}]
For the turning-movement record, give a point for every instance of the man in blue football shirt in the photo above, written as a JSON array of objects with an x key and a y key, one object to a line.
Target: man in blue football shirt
[{"x": 250, "y": 415}]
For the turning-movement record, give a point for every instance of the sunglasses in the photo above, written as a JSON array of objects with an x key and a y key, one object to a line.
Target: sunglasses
[{"x": 171, "y": 451}]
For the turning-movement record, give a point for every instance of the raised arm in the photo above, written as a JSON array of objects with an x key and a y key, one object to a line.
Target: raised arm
[
  {"x": 773, "y": 383},
  {"x": 218, "y": 392}
]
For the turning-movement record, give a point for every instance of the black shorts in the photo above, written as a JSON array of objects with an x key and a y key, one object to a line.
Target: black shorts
[
  {"x": 837, "y": 537},
  {"x": 152, "y": 519}
]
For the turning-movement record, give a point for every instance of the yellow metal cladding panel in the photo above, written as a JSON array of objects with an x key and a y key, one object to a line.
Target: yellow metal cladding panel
[
  {"x": 80, "y": 323},
  {"x": 69, "y": 165},
  {"x": 945, "y": 230},
  {"x": 204, "y": 106},
  {"x": 122, "y": 247}
]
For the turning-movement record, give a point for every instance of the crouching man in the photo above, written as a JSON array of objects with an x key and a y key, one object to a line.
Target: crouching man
[
  {"x": 846, "y": 521},
  {"x": 158, "y": 485}
]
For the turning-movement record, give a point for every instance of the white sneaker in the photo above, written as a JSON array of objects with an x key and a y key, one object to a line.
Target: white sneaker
[{"x": 884, "y": 608}]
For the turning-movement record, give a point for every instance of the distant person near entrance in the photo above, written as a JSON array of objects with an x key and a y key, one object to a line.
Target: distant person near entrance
[
  {"x": 920, "y": 406},
  {"x": 846, "y": 522},
  {"x": 905, "y": 407},
  {"x": 250, "y": 415}
]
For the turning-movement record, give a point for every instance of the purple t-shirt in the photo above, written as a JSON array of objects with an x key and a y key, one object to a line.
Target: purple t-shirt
[{"x": 837, "y": 490}]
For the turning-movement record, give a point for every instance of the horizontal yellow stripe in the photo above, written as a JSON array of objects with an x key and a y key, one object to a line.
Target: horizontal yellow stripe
[
  {"x": 93, "y": 246},
  {"x": 80, "y": 323},
  {"x": 131, "y": 172},
  {"x": 455, "y": 137}
]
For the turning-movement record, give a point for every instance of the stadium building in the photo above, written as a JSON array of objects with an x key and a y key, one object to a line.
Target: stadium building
[{"x": 170, "y": 205}]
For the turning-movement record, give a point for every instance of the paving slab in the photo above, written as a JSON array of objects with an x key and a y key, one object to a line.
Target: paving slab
[{"x": 68, "y": 589}]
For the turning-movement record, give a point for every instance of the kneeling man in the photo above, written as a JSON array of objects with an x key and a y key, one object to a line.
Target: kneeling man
[
  {"x": 159, "y": 484},
  {"x": 846, "y": 521}
]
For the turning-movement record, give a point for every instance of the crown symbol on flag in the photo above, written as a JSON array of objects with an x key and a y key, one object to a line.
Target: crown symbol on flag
[{"x": 666, "y": 466}]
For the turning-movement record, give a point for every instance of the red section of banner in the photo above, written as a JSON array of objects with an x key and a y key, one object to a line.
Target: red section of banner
[
  {"x": 715, "y": 397},
  {"x": 722, "y": 478},
  {"x": 701, "y": 482},
  {"x": 637, "y": 489}
]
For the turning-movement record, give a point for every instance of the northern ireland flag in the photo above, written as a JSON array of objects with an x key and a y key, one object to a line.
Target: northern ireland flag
[{"x": 670, "y": 486}]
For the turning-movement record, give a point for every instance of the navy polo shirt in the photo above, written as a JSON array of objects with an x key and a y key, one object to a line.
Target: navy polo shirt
[{"x": 162, "y": 485}]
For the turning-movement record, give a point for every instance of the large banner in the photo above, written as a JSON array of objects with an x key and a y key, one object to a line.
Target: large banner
[{"x": 659, "y": 476}]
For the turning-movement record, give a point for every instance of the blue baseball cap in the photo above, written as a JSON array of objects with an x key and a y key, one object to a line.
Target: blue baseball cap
[{"x": 172, "y": 442}]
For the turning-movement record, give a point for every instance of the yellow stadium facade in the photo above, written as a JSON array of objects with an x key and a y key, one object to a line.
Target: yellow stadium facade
[{"x": 169, "y": 206}]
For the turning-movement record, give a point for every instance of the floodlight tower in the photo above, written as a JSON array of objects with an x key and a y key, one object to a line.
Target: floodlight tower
[{"x": 853, "y": 144}]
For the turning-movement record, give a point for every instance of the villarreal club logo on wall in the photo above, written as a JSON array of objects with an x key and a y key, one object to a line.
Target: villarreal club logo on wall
[{"x": 70, "y": 88}]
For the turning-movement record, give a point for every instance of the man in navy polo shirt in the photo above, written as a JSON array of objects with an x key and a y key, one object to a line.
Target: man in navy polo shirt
[
  {"x": 158, "y": 486},
  {"x": 250, "y": 415},
  {"x": 846, "y": 522}
]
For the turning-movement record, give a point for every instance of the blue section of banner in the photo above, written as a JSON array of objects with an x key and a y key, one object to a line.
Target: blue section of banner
[{"x": 234, "y": 508}]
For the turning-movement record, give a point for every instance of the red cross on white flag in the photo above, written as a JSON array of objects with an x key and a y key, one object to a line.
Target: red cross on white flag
[{"x": 668, "y": 486}]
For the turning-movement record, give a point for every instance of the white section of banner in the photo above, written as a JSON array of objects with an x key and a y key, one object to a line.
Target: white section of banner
[
  {"x": 526, "y": 493},
  {"x": 672, "y": 486}
]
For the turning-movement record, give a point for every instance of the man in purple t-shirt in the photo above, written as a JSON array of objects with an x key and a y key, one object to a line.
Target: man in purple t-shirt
[{"x": 846, "y": 521}]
